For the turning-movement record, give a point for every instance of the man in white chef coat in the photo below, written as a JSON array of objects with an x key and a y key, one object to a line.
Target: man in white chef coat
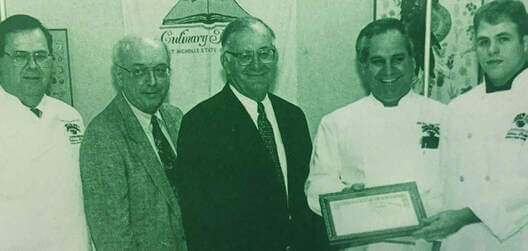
[
  {"x": 486, "y": 152},
  {"x": 388, "y": 137},
  {"x": 41, "y": 206}
]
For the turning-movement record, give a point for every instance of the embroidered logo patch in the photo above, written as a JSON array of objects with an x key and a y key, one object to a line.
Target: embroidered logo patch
[
  {"x": 431, "y": 135},
  {"x": 519, "y": 129},
  {"x": 74, "y": 132}
]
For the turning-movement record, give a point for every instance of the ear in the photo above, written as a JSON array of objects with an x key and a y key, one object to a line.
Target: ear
[
  {"x": 413, "y": 62},
  {"x": 223, "y": 59},
  {"x": 225, "y": 62},
  {"x": 525, "y": 44},
  {"x": 117, "y": 77}
]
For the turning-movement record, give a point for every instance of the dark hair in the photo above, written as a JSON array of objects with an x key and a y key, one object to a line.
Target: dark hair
[
  {"x": 240, "y": 24},
  {"x": 18, "y": 23},
  {"x": 499, "y": 11},
  {"x": 377, "y": 27}
]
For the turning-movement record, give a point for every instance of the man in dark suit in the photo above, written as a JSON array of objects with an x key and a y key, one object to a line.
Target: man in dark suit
[
  {"x": 243, "y": 155},
  {"x": 128, "y": 152}
]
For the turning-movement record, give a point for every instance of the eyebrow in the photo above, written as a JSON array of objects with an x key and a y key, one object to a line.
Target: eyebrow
[
  {"x": 504, "y": 34},
  {"x": 497, "y": 35},
  {"x": 31, "y": 51},
  {"x": 401, "y": 54},
  {"x": 143, "y": 65}
]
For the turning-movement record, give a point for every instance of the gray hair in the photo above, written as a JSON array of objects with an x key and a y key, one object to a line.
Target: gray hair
[
  {"x": 128, "y": 45},
  {"x": 240, "y": 24}
]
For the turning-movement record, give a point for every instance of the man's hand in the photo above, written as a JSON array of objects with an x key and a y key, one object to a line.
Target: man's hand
[
  {"x": 354, "y": 187},
  {"x": 445, "y": 223}
]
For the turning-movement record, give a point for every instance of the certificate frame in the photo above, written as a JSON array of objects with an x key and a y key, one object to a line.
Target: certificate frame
[{"x": 400, "y": 190}]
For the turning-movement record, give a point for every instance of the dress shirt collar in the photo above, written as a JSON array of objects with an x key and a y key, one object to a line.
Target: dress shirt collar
[
  {"x": 143, "y": 117},
  {"x": 13, "y": 100},
  {"x": 251, "y": 105},
  {"x": 43, "y": 105}
]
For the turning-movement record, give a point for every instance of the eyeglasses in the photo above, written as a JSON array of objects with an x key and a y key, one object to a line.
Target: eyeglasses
[
  {"x": 160, "y": 71},
  {"x": 21, "y": 58},
  {"x": 265, "y": 55}
]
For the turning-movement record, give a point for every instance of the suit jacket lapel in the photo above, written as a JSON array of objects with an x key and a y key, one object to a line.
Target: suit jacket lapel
[
  {"x": 243, "y": 127},
  {"x": 142, "y": 147},
  {"x": 283, "y": 121},
  {"x": 171, "y": 123}
]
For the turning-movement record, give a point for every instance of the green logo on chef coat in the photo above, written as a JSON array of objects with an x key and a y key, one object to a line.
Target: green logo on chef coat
[
  {"x": 518, "y": 130},
  {"x": 431, "y": 135},
  {"x": 520, "y": 120},
  {"x": 74, "y": 132}
]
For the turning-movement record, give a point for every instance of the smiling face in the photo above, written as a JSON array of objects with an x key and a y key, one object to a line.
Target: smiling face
[
  {"x": 389, "y": 67},
  {"x": 500, "y": 50},
  {"x": 148, "y": 92},
  {"x": 28, "y": 82},
  {"x": 252, "y": 80}
]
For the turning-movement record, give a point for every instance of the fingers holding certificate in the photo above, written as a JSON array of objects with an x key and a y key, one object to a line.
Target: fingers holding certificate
[{"x": 372, "y": 215}]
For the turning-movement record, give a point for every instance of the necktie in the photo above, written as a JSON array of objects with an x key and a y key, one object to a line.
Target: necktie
[
  {"x": 36, "y": 111},
  {"x": 165, "y": 152},
  {"x": 266, "y": 132}
]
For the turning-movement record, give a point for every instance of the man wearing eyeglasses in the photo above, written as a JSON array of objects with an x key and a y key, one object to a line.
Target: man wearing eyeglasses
[
  {"x": 41, "y": 206},
  {"x": 129, "y": 151},
  {"x": 243, "y": 155}
]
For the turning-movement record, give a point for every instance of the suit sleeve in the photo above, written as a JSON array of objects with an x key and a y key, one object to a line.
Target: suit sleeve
[
  {"x": 105, "y": 190},
  {"x": 325, "y": 166}
]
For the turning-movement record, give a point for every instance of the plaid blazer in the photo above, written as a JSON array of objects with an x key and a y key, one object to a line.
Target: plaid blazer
[{"x": 128, "y": 200}]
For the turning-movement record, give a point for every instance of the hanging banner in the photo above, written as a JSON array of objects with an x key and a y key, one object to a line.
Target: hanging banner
[
  {"x": 194, "y": 50},
  {"x": 192, "y": 28}
]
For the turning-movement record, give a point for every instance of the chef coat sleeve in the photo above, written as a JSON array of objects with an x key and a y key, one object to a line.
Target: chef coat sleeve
[{"x": 325, "y": 166}]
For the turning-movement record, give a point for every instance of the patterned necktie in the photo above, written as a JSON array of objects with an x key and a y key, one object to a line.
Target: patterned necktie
[
  {"x": 266, "y": 132},
  {"x": 165, "y": 152},
  {"x": 36, "y": 111}
]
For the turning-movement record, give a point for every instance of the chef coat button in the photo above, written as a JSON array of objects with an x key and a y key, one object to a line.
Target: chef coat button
[
  {"x": 487, "y": 178},
  {"x": 461, "y": 178},
  {"x": 469, "y": 135}
]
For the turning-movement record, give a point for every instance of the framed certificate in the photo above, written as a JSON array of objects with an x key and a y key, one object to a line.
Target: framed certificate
[{"x": 372, "y": 215}]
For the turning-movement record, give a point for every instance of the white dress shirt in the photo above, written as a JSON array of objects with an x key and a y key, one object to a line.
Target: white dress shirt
[
  {"x": 41, "y": 204},
  {"x": 366, "y": 142},
  {"x": 251, "y": 107},
  {"x": 145, "y": 122},
  {"x": 487, "y": 159}
]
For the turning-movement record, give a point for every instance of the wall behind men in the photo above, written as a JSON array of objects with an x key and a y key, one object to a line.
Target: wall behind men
[
  {"x": 93, "y": 26},
  {"x": 326, "y": 34},
  {"x": 326, "y": 68}
]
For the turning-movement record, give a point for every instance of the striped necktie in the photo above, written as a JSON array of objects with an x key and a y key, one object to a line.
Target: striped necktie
[
  {"x": 165, "y": 152},
  {"x": 266, "y": 132}
]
